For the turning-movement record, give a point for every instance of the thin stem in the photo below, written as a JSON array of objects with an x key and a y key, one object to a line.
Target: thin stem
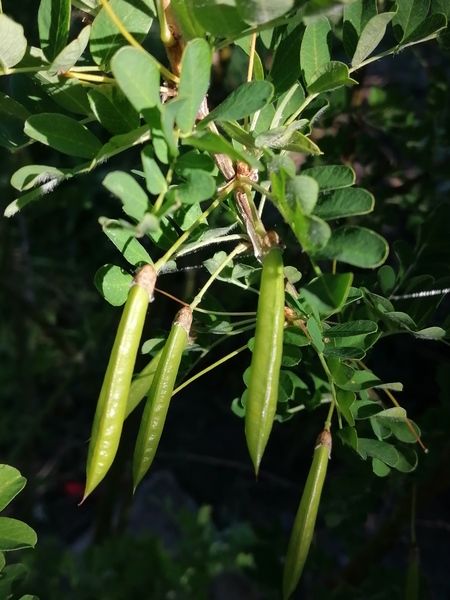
[
  {"x": 165, "y": 33},
  {"x": 198, "y": 298},
  {"x": 333, "y": 392},
  {"x": 327, "y": 424},
  {"x": 394, "y": 401},
  {"x": 210, "y": 368},
  {"x": 162, "y": 195},
  {"x": 301, "y": 108},
  {"x": 84, "y": 69},
  {"x": 16, "y": 70},
  {"x": 256, "y": 186},
  {"x": 171, "y": 297},
  {"x": 255, "y": 119},
  {"x": 333, "y": 267},
  {"x": 373, "y": 59},
  {"x": 219, "y": 341},
  {"x": 225, "y": 314},
  {"x": 251, "y": 62},
  {"x": 131, "y": 40},
  {"x": 208, "y": 242},
  {"x": 261, "y": 205},
  {"x": 244, "y": 286},
  {"x": 299, "y": 407},
  {"x": 278, "y": 113},
  {"x": 317, "y": 269},
  {"x": 205, "y": 214},
  {"x": 240, "y": 324},
  {"x": 87, "y": 77},
  {"x": 123, "y": 30}
]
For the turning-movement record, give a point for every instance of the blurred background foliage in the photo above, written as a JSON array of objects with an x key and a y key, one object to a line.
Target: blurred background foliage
[{"x": 55, "y": 337}]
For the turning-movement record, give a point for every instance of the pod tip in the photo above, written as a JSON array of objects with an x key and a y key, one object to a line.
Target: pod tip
[{"x": 85, "y": 495}]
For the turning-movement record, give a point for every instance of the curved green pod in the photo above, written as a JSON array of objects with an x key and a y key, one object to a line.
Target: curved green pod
[
  {"x": 160, "y": 393},
  {"x": 304, "y": 523},
  {"x": 262, "y": 393},
  {"x": 112, "y": 402}
]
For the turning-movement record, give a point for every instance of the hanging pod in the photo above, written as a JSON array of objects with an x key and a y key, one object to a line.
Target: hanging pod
[
  {"x": 159, "y": 395},
  {"x": 305, "y": 520},
  {"x": 112, "y": 402},
  {"x": 262, "y": 393},
  {"x": 141, "y": 384}
]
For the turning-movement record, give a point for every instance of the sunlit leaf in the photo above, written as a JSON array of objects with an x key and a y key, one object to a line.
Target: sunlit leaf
[
  {"x": 328, "y": 293},
  {"x": 135, "y": 15},
  {"x": 256, "y": 12},
  {"x": 315, "y": 48},
  {"x": 356, "y": 246},
  {"x": 142, "y": 92},
  {"x": 330, "y": 76},
  {"x": 133, "y": 251},
  {"x": 63, "y": 134},
  {"x": 346, "y": 202},
  {"x": 194, "y": 81},
  {"x": 13, "y": 43},
  {"x": 15, "y": 535},
  {"x": 112, "y": 109},
  {"x": 131, "y": 194},
  {"x": 69, "y": 55},
  {"x": 218, "y": 17},
  {"x": 331, "y": 177},
  {"x": 113, "y": 283},
  {"x": 11, "y": 483},
  {"x": 410, "y": 14},
  {"x": 54, "y": 24},
  {"x": 371, "y": 36},
  {"x": 243, "y": 101}
]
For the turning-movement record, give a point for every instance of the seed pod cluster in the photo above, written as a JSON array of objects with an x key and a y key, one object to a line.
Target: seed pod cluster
[{"x": 112, "y": 402}]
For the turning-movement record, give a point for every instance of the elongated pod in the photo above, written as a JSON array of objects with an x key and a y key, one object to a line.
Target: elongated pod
[
  {"x": 141, "y": 383},
  {"x": 157, "y": 405},
  {"x": 112, "y": 402},
  {"x": 262, "y": 393},
  {"x": 304, "y": 523}
]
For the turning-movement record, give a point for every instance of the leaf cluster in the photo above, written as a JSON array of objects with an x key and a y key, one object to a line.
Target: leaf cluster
[{"x": 99, "y": 92}]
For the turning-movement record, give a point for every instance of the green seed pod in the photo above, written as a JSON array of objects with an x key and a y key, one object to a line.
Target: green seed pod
[
  {"x": 141, "y": 384},
  {"x": 112, "y": 402},
  {"x": 262, "y": 393},
  {"x": 305, "y": 520},
  {"x": 159, "y": 396}
]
